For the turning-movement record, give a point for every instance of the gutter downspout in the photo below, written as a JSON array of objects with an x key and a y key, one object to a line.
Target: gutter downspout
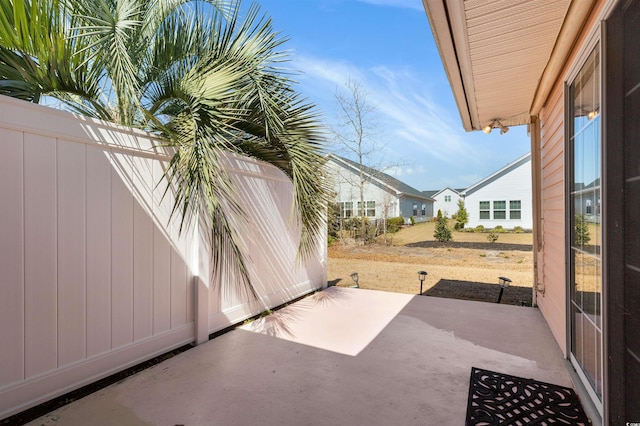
[{"x": 536, "y": 186}]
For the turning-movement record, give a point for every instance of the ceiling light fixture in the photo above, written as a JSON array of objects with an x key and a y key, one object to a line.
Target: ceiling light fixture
[{"x": 495, "y": 123}]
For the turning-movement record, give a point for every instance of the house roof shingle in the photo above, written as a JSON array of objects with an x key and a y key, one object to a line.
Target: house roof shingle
[{"x": 384, "y": 178}]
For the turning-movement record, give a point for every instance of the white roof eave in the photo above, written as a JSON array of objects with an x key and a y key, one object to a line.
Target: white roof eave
[{"x": 502, "y": 57}]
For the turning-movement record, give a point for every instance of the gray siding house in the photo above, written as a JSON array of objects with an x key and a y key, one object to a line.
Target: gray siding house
[{"x": 385, "y": 196}]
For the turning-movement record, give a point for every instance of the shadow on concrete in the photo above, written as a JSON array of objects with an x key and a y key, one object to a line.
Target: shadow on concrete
[
  {"x": 333, "y": 283},
  {"x": 413, "y": 369},
  {"x": 481, "y": 292}
]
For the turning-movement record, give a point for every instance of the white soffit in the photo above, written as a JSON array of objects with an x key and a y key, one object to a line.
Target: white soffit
[{"x": 495, "y": 52}]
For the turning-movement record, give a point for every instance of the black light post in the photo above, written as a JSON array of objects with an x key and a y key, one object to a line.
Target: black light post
[
  {"x": 504, "y": 283},
  {"x": 421, "y": 276},
  {"x": 354, "y": 277}
]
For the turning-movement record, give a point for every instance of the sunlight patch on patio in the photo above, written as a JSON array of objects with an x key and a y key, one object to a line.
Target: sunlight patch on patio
[{"x": 334, "y": 319}]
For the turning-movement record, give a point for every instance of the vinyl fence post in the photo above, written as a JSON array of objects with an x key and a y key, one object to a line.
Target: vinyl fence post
[{"x": 201, "y": 282}]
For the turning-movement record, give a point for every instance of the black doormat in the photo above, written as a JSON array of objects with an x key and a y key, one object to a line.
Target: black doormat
[{"x": 501, "y": 399}]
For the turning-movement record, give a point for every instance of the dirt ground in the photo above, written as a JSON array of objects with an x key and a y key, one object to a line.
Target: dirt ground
[{"x": 467, "y": 268}]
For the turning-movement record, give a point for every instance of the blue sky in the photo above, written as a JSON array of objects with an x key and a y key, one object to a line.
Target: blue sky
[{"x": 387, "y": 46}]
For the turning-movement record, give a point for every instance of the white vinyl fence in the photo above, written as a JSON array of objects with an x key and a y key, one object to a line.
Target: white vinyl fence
[{"x": 93, "y": 276}]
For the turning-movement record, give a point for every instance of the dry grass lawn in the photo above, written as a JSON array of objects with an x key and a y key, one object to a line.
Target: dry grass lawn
[{"x": 470, "y": 272}]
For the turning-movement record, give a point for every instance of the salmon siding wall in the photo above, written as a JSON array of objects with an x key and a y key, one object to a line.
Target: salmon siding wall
[
  {"x": 551, "y": 267},
  {"x": 552, "y": 261}
]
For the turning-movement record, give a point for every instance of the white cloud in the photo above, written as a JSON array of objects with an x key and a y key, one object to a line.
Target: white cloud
[
  {"x": 405, "y": 171},
  {"x": 417, "y": 132}
]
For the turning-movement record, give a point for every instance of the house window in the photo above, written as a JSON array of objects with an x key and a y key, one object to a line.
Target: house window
[
  {"x": 424, "y": 210},
  {"x": 515, "y": 210},
  {"x": 347, "y": 209},
  {"x": 415, "y": 209},
  {"x": 499, "y": 209},
  {"x": 369, "y": 208},
  {"x": 484, "y": 210},
  {"x": 447, "y": 198}
]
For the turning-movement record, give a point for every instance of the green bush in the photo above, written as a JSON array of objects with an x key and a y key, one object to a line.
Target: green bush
[
  {"x": 412, "y": 220},
  {"x": 499, "y": 229},
  {"x": 518, "y": 230},
  {"x": 581, "y": 227},
  {"x": 479, "y": 228},
  {"x": 462, "y": 216},
  {"x": 333, "y": 217},
  {"x": 492, "y": 237},
  {"x": 442, "y": 232},
  {"x": 394, "y": 224}
]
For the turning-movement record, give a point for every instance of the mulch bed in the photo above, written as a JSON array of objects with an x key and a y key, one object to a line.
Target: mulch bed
[
  {"x": 482, "y": 292},
  {"x": 472, "y": 245}
]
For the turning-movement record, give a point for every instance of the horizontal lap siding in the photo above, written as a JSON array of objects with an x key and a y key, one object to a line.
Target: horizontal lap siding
[{"x": 553, "y": 302}]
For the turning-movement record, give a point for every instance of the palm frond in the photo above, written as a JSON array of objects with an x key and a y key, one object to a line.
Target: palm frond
[{"x": 194, "y": 74}]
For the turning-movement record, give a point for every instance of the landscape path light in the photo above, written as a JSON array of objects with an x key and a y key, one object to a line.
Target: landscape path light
[
  {"x": 504, "y": 283},
  {"x": 421, "y": 276},
  {"x": 354, "y": 277}
]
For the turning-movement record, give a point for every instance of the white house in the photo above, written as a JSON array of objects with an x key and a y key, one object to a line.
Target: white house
[
  {"x": 503, "y": 198},
  {"x": 445, "y": 200},
  {"x": 384, "y": 195}
]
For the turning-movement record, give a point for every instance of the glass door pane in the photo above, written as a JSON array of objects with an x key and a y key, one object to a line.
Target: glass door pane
[{"x": 584, "y": 217}]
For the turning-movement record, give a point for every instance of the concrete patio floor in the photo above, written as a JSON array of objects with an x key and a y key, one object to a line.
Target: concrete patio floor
[{"x": 339, "y": 357}]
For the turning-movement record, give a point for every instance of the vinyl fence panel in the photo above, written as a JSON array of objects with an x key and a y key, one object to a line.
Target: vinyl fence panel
[{"x": 94, "y": 275}]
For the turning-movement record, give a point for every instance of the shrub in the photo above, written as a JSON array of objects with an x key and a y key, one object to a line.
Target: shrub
[
  {"x": 394, "y": 224},
  {"x": 462, "y": 216},
  {"x": 442, "y": 232},
  {"x": 412, "y": 220},
  {"x": 333, "y": 218},
  {"x": 582, "y": 236},
  {"x": 518, "y": 230},
  {"x": 499, "y": 229},
  {"x": 439, "y": 214},
  {"x": 492, "y": 237},
  {"x": 479, "y": 228},
  {"x": 352, "y": 224}
]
